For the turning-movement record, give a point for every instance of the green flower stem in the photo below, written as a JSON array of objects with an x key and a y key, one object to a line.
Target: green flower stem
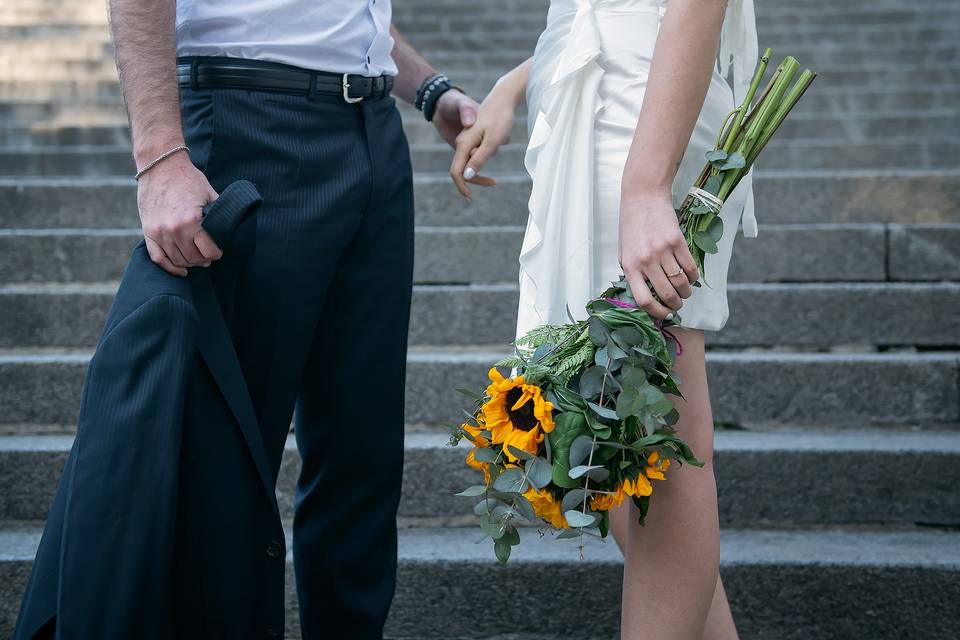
[
  {"x": 789, "y": 101},
  {"x": 732, "y": 135},
  {"x": 765, "y": 111}
]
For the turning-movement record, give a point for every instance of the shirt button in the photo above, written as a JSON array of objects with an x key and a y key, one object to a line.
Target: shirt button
[{"x": 274, "y": 549}]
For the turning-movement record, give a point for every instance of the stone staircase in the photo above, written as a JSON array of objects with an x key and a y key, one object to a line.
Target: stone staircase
[{"x": 836, "y": 383}]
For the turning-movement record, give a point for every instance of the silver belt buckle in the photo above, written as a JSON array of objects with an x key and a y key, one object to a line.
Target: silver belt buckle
[{"x": 346, "y": 92}]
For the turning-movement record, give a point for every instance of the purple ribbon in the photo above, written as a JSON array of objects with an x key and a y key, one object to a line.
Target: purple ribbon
[{"x": 667, "y": 334}]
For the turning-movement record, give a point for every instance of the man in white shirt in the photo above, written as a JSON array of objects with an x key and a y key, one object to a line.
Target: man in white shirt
[{"x": 294, "y": 96}]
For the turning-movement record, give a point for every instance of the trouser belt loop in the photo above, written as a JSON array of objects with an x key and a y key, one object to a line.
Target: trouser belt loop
[
  {"x": 194, "y": 83},
  {"x": 312, "y": 89}
]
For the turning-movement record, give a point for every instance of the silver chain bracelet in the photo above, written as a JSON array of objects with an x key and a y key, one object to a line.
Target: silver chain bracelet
[{"x": 159, "y": 159}]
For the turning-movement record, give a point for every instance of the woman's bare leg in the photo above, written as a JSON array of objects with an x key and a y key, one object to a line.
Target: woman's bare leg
[
  {"x": 671, "y": 565},
  {"x": 720, "y": 624}
]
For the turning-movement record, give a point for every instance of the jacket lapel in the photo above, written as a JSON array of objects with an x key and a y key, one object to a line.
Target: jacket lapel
[{"x": 216, "y": 348}]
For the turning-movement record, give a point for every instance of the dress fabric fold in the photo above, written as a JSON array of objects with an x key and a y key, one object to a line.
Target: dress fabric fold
[{"x": 584, "y": 93}]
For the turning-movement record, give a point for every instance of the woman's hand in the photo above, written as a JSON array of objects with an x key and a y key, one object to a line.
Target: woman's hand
[
  {"x": 652, "y": 248},
  {"x": 477, "y": 143}
]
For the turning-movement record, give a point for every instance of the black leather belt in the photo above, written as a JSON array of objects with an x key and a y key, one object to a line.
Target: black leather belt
[{"x": 239, "y": 73}]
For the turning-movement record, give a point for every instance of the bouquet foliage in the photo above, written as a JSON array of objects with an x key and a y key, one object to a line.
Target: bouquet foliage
[{"x": 585, "y": 420}]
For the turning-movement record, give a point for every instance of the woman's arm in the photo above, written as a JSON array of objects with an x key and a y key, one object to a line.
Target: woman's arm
[
  {"x": 651, "y": 244},
  {"x": 494, "y": 123}
]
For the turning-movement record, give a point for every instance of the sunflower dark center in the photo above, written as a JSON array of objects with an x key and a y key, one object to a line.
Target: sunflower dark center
[{"x": 522, "y": 418}]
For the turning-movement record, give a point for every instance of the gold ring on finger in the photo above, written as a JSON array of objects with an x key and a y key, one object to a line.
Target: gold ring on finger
[{"x": 672, "y": 275}]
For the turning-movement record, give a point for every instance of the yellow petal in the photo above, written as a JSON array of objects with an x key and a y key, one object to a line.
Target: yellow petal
[
  {"x": 643, "y": 487},
  {"x": 656, "y": 474},
  {"x": 524, "y": 398},
  {"x": 653, "y": 457}
]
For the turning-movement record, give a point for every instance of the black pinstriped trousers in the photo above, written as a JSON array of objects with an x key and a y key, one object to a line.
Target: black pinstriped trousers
[{"x": 319, "y": 321}]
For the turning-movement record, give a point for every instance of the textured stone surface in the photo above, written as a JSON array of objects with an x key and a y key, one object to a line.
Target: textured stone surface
[
  {"x": 482, "y": 255},
  {"x": 764, "y": 387},
  {"x": 818, "y": 143},
  {"x": 805, "y": 478},
  {"x": 782, "y": 197},
  {"x": 925, "y": 252},
  {"x": 821, "y": 585},
  {"x": 795, "y": 315}
]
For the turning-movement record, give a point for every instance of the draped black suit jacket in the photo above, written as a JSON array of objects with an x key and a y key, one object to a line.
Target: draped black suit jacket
[{"x": 165, "y": 523}]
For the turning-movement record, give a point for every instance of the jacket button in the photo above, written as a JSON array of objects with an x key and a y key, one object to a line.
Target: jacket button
[{"x": 274, "y": 549}]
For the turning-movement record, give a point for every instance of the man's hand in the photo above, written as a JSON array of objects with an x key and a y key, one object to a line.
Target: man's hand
[
  {"x": 170, "y": 198},
  {"x": 455, "y": 112}
]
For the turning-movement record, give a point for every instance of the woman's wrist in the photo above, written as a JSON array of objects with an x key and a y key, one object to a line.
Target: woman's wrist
[
  {"x": 508, "y": 91},
  {"x": 634, "y": 191}
]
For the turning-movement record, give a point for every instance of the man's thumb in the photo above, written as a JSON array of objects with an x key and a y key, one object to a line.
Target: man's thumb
[{"x": 468, "y": 114}]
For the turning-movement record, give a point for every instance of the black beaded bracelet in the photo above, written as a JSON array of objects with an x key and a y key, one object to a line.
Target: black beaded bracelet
[{"x": 429, "y": 93}]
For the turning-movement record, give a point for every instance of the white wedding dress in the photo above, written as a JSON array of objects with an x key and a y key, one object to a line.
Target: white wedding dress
[{"x": 585, "y": 88}]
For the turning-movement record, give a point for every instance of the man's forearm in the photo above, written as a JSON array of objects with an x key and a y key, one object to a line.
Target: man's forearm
[
  {"x": 145, "y": 48},
  {"x": 412, "y": 67}
]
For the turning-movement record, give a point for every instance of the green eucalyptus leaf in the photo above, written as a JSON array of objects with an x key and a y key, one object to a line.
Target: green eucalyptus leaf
[
  {"x": 580, "y": 449},
  {"x": 524, "y": 508},
  {"x": 715, "y": 228},
  {"x": 492, "y": 528},
  {"x": 705, "y": 242},
  {"x": 485, "y": 506},
  {"x": 591, "y": 381},
  {"x": 502, "y": 551},
  {"x": 583, "y": 469},
  {"x": 713, "y": 184},
  {"x": 511, "y": 480},
  {"x": 472, "y": 492},
  {"x": 579, "y": 519},
  {"x": 603, "y": 412},
  {"x": 568, "y": 533},
  {"x": 716, "y": 154},
  {"x": 539, "y": 472},
  {"x": 599, "y": 473},
  {"x": 733, "y": 161},
  {"x": 573, "y": 499},
  {"x": 511, "y": 536},
  {"x": 483, "y": 454},
  {"x": 598, "y": 331},
  {"x": 520, "y": 453}
]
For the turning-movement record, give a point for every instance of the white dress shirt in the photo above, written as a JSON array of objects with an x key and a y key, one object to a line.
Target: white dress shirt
[{"x": 343, "y": 36}]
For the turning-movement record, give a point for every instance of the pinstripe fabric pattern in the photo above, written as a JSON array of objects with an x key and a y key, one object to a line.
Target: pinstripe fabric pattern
[{"x": 319, "y": 318}]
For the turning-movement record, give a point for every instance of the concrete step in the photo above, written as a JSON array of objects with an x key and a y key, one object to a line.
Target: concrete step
[
  {"x": 789, "y": 585},
  {"x": 898, "y": 195},
  {"x": 840, "y": 152},
  {"x": 42, "y": 388},
  {"x": 810, "y": 315},
  {"x": 104, "y": 85},
  {"x": 809, "y": 55},
  {"x": 487, "y": 255},
  {"x": 30, "y": 467},
  {"x": 56, "y": 123}
]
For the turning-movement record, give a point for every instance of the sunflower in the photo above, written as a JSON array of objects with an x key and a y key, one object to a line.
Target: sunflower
[
  {"x": 636, "y": 487},
  {"x": 474, "y": 432},
  {"x": 656, "y": 466},
  {"x": 607, "y": 501},
  {"x": 547, "y": 507},
  {"x": 516, "y": 414},
  {"x": 477, "y": 464}
]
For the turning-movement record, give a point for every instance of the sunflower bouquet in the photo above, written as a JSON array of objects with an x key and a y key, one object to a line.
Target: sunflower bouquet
[{"x": 584, "y": 421}]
